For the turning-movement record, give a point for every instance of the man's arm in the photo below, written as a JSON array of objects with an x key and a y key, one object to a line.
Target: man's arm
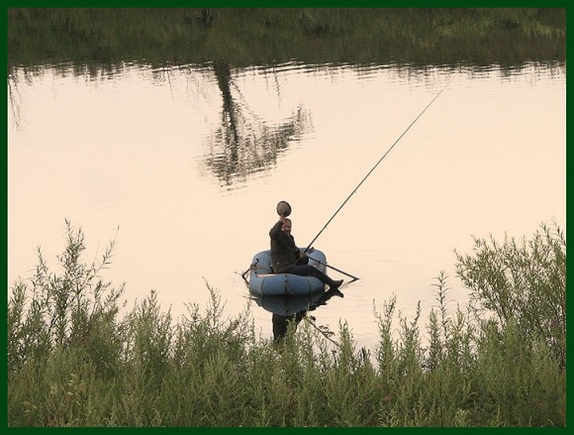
[{"x": 276, "y": 230}]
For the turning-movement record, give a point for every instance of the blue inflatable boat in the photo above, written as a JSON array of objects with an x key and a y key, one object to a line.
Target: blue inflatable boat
[{"x": 263, "y": 282}]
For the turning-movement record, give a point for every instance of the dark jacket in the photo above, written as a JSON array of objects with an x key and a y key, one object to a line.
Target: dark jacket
[{"x": 284, "y": 251}]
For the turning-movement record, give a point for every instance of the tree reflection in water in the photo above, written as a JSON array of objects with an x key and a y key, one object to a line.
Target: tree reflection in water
[{"x": 243, "y": 144}]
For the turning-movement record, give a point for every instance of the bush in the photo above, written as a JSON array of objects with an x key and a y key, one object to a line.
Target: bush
[
  {"x": 524, "y": 282},
  {"x": 73, "y": 362},
  {"x": 72, "y": 309}
]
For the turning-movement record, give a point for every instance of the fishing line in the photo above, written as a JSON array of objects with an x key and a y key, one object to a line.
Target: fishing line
[{"x": 376, "y": 164}]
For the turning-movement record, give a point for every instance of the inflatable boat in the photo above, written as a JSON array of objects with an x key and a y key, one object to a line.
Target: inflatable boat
[
  {"x": 263, "y": 282},
  {"x": 290, "y": 306}
]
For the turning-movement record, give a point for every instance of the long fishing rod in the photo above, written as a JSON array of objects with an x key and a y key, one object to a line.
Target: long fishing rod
[
  {"x": 355, "y": 278},
  {"x": 374, "y": 167}
]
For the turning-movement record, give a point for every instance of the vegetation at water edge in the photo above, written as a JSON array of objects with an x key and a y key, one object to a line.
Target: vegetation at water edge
[
  {"x": 501, "y": 361},
  {"x": 101, "y": 40}
]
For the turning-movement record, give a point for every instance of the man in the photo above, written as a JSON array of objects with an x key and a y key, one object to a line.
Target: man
[{"x": 287, "y": 258}]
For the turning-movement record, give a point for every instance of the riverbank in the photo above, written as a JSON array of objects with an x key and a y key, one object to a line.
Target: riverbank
[{"x": 498, "y": 362}]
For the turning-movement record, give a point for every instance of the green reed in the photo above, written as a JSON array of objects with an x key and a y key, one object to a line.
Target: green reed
[{"x": 73, "y": 361}]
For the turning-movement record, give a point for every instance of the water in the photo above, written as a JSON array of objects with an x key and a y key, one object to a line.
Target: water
[{"x": 190, "y": 169}]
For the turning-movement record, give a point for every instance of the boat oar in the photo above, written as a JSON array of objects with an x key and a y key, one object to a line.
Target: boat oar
[
  {"x": 355, "y": 278},
  {"x": 252, "y": 267}
]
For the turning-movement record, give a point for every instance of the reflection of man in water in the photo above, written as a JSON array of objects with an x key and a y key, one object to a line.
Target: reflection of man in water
[{"x": 281, "y": 321}]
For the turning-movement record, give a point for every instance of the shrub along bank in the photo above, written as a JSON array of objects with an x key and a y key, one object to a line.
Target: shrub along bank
[{"x": 72, "y": 361}]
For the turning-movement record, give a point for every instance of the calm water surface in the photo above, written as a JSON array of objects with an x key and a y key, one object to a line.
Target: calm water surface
[{"x": 190, "y": 169}]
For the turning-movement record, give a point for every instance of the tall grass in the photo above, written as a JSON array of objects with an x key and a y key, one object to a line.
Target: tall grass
[{"x": 73, "y": 362}]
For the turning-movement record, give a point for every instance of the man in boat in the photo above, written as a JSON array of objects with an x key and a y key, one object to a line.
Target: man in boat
[{"x": 287, "y": 258}]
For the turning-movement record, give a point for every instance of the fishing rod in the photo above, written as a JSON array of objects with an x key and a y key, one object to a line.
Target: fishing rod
[
  {"x": 355, "y": 278},
  {"x": 376, "y": 164}
]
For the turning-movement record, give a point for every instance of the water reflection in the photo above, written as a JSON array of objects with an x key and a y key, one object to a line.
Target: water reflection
[
  {"x": 243, "y": 144},
  {"x": 472, "y": 165},
  {"x": 286, "y": 309},
  {"x": 14, "y": 98}
]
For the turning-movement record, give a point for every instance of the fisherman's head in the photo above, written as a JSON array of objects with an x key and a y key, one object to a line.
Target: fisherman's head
[{"x": 286, "y": 228}]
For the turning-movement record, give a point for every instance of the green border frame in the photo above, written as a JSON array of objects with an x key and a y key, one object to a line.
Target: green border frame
[{"x": 229, "y": 4}]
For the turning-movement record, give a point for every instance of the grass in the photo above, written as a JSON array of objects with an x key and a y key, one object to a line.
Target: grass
[{"x": 73, "y": 362}]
